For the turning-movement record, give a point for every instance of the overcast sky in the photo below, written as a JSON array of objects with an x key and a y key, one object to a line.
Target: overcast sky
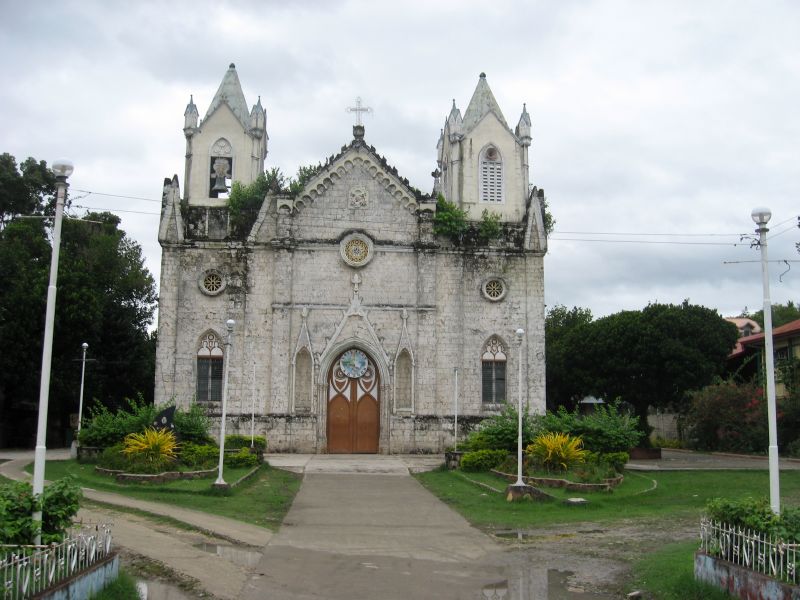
[{"x": 672, "y": 119}]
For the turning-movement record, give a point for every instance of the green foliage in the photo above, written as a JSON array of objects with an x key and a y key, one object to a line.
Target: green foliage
[
  {"x": 556, "y": 452},
  {"x": 482, "y": 460},
  {"x": 547, "y": 217},
  {"x": 563, "y": 386},
  {"x": 245, "y": 201},
  {"x": 122, "y": 588},
  {"x": 151, "y": 451},
  {"x": 449, "y": 220},
  {"x": 24, "y": 190},
  {"x": 59, "y": 504},
  {"x": 106, "y": 428},
  {"x": 756, "y": 514},
  {"x": 728, "y": 417},
  {"x": 477, "y": 440},
  {"x": 660, "y": 442},
  {"x": 192, "y": 425},
  {"x": 113, "y": 458},
  {"x": 242, "y": 458},
  {"x": 781, "y": 314},
  {"x": 606, "y": 429},
  {"x": 651, "y": 357},
  {"x": 489, "y": 228},
  {"x": 198, "y": 456},
  {"x": 304, "y": 174},
  {"x": 106, "y": 298},
  {"x": 243, "y": 441},
  {"x": 500, "y": 432},
  {"x": 615, "y": 461},
  {"x": 793, "y": 449}
]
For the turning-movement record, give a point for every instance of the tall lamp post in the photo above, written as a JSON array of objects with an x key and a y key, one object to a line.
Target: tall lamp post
[
  {"x": 520, "y": 333},
  {"x": 220, "y": 482},
  {"x": 85, "y": 347},
  {"x": 761, "y": 217},
  {"x": 61, "y": 169}
]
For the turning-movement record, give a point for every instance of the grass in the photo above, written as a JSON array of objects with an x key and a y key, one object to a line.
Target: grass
[
  {"x": 678, "y": 494},
  {"x": 261, "y": 500},
  {"x": 122, "y": 588},
  {"x": 668, "y": 574}
]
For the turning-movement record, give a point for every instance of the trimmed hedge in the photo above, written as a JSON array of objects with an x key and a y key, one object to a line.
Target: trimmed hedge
[{"x": 482, "y": 460}]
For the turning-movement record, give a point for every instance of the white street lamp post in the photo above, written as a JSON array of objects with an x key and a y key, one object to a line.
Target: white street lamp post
[
  {"x": 62, "y": 169},
  {"x": 761, "y": 217},
  {"x": 85, "y": 347},
  {"x": 520, "y": 333},
  {"x": 227, "y": 357}
]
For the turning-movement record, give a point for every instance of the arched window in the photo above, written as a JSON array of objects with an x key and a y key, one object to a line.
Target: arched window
[
  {"x": 209, "y": 369},
  {"x": 302, "y": 381},
  {"x": 403, "y": 382},
  {"x": 221, "y": 169},
  {"x": 491, "y": 175},
  {"x": 493, "y": 372}
]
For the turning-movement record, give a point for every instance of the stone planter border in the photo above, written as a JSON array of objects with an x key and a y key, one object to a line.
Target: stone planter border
[
  {"x": 122, "y": 477},
  {"x": 606, "y": 486}
]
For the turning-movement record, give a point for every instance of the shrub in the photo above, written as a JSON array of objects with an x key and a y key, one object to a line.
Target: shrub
[
  {"x": 192, "y": 425},
  {"x": 59, "y": 504},
  {"x": 105, "y": 428},
  {"x": 449, "y": 220},
  {"x": 750, "y": 513},
  {"x": 556, "y": 451},
  {"x": 500, "y": 431},
  {"x": 242, "y": 458},
  {"x": 793, "y": 449},
  {"x": 728, "y": 417},
  {"x": 606, "y": 429},
  {"x": 660, "y": 442},
  {"x": 150, "y": 451},
  {"x": 477, "y": 440},
  {"x": 113, "y": 458},
  {"x": 199, "y": 456},
  {"x": 482, "y": 460},
  {"x": 243, "y": 441}
]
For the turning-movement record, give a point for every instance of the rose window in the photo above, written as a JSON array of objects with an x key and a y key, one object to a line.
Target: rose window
[{"x": 494, "y": 289}]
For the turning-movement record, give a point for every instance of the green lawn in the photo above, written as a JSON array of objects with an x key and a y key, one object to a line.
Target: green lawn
[
  {"x": 261, "y": 500},
  {"x": 669, "y": 575},
  {"x": 676, "y": 494}
]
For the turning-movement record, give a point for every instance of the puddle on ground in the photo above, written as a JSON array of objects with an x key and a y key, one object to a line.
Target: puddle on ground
[
  {"x": 539, "y": 584},
  {"x": 158, "y": 590},
  {"x": 236, "y": 555}
]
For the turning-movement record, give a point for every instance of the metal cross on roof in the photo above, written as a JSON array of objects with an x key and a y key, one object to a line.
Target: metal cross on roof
[{"x": 358, "y": 109}]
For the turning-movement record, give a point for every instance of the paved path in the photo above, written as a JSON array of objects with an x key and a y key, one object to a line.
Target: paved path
[{"x": 686, "y": 460}]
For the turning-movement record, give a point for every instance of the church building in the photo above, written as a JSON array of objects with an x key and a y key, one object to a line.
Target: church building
[{"x": 363, "y": 309}]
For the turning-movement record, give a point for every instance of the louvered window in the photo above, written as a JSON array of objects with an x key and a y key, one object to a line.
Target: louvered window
[
  {"x": 493, "y": 373},
  {"x": 491, "y": 175},
  {"x": 209, "y": 369}
]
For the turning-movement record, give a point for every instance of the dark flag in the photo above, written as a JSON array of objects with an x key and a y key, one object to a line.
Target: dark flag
[{"x": 165, "y": 419}]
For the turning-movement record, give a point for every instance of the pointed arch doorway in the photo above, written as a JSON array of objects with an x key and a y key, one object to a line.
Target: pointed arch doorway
[{"x": 353, "y": 404}]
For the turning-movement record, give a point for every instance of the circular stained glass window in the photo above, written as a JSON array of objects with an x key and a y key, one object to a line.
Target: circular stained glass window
[
  {"x": 494, "y": 289},
  {"x": 356, "y": 250},
  {"x": 211, "y": 282}
]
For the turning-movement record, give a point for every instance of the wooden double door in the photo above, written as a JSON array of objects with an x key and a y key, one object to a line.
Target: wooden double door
[{"x": 353, "y": 404}]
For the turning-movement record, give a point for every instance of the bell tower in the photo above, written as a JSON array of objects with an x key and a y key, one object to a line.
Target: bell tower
[
  {"x": 483, "y": 163},
  {"x": 229, "y": 144}
]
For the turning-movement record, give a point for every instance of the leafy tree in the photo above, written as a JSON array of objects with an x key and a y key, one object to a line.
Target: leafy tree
[
  {"x": 651, "y": 357},
  {"x": 781, "y": 314},
  {"x": 563, "y": 389},
  {"x": 449, "y": 220},
  {"x": 26, "y": 190},
  {"x": 106, "y": 297}
]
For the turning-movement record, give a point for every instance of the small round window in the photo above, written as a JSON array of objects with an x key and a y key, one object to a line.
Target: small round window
[
  {"x": 494, "y": 289},
  {"x": 211, "y": 282}
]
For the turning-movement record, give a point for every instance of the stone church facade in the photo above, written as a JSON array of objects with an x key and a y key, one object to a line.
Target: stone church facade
[{"x": 357, "y": 325}]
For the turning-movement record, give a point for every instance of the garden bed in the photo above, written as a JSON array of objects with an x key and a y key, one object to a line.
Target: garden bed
[
  {"x": 606, "y": 485},
  {"x": 123, "y": 477}
]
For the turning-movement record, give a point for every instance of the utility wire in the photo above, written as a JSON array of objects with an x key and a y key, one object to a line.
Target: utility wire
[{"x": 118, "y": 196}]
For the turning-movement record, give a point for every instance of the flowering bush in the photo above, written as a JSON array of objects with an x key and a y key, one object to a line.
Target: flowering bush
[{"x": 556, "y": 451}]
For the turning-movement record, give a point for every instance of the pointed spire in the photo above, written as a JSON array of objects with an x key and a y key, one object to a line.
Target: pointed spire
[
  {"x": 258, "y": 118},
  {"x": 523, "y": 129},
  {"x": 455, "y": 127},
  {"x": 190, "y": 116},
  {"x": 482, "y": 103},
  {"x": 230, "y": 92}
]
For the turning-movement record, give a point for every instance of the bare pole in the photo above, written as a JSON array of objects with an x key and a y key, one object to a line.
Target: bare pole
[
  {"x": 455, "y": 409},
  {"x": 520, "y": 333},
  {"x": 62, "y": 169},
  {"x": 227, "y": 358},
  {"x": 85, "y": 347},
  {"x": 253, "y": 408}
]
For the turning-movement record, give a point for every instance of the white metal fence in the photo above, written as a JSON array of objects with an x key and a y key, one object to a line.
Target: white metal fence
[
  {"x": 29, "y": 570},
  {"x": 751, "y": 549}
]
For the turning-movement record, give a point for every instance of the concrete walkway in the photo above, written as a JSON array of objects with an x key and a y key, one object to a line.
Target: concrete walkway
[{"x": 687, "y": 460}]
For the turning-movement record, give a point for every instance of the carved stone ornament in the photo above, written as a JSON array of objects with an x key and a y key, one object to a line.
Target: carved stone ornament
[
  {"x": 211, "y": 282},
  {"x": 359, "y": 198},
  {"x": 494, "y": 289},
  {"x": 356, "y": 250}
]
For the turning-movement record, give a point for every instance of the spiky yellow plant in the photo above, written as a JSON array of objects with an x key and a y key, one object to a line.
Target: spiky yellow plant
[
  {"x": 557, "y": 451},
  {"x": 153, "y": 446}
]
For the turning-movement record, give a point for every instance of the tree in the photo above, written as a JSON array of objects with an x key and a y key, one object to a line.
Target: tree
[
  {"x": 651, "y": 357},
  {"x": 27, "y": 190},
  {"x": 781, "y": 314},
  {"x": 106, "y": 297},
  {"x": 563, "y": 389}
]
